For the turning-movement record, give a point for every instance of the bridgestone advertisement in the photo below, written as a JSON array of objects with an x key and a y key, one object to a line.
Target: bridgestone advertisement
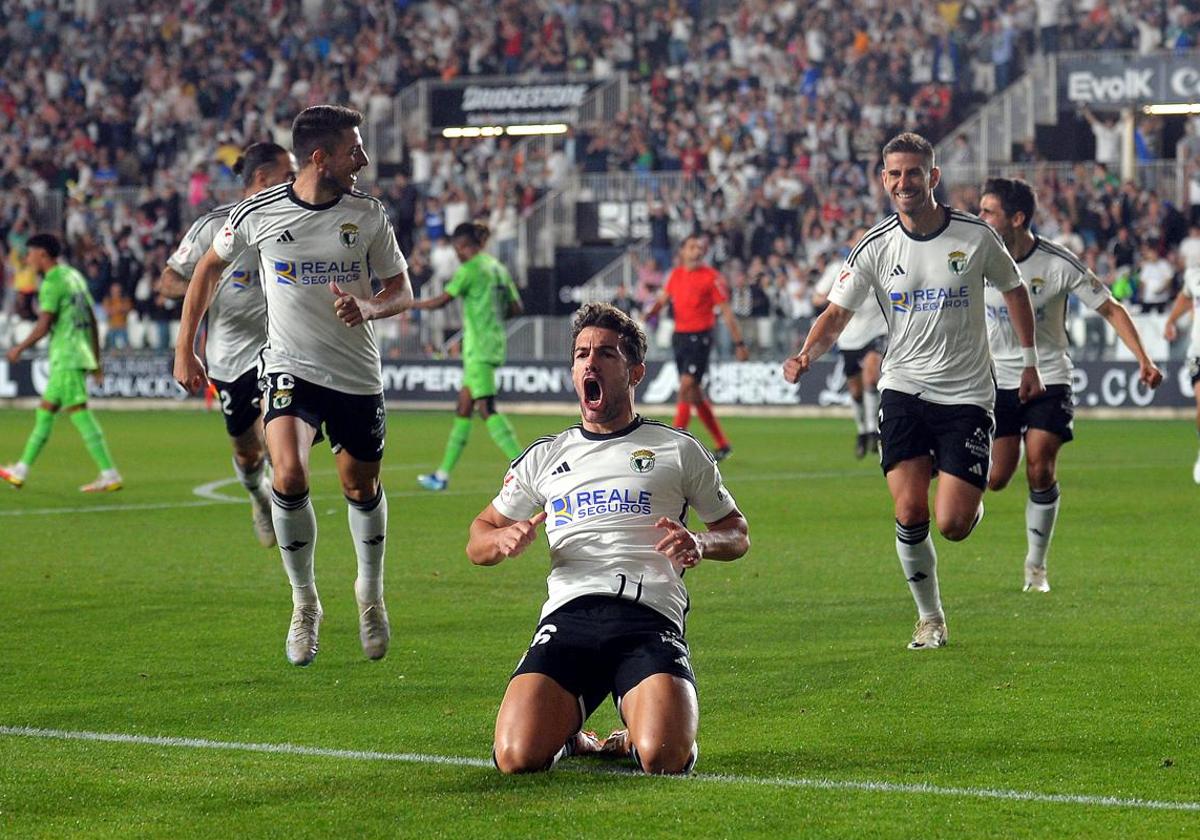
[
  {"x": 1097, "y": 384},
  {"x": 1103, "y": 80},
  {"x": 503, "y": 103}
]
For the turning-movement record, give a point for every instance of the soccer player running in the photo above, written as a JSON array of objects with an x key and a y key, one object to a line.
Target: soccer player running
[
  {"x": 925, "y": 266},
  {"x": 317, "y": 239},
  {"x": 66, "y": 315},
  {"x": 861, "y": 344},
  {"x": 489, "y": 298},
  {"x": 1051, "y": 273},
  {"x": 237, "y": 328},
  {"x": 697, "y": 292},
  {"x": 1189, "y": 299},
  {"x": 613, "y": 492}
]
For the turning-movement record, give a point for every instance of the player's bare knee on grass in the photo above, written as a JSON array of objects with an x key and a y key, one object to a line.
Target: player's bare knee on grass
[
  {"x": 516, "y": 756},
  {"x": 290, "y": 479},
  {"x": 658, "y": 755},
  {"x": 998, "y": 481},
  {"x": 1040, "y": 474}
]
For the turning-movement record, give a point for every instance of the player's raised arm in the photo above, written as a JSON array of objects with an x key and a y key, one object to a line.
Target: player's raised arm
[
  {"x": 189, "y": 370},
  {"x": 1020, "y": 310},
  {"x": 494, "y": 536},
  {"x": 825, "y": 331}
]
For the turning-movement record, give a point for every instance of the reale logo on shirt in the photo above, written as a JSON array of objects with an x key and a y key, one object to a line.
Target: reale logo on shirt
[
  {"x": 239, "y": 280},
  {"x": 930, "y": 300},
  {"x": 583, "y": 504},
  {"x": 316, "y": 272}
]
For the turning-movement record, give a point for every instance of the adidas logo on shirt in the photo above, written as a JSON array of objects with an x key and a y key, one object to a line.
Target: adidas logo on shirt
[
  {"x": 898, "y": 271},
  {"x": 564, "y": 467},
  {"x": 286, "y": 236}
]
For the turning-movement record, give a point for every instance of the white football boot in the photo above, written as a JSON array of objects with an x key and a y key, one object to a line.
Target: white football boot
[
  {"x": 373, "y": 629},
  {"x": 1035, "y": 579},
  {"x": 302, "y": 635},
  {"x": 930, "y": 633}
]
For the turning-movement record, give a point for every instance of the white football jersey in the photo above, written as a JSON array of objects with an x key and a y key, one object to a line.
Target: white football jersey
[
  {"x": 1052, "y": 273},
  {"x": 303, "y": 249},
  {"x": 1191, "y": 286},
  {"x": 602, "y": 495},
  {"x": 931, "y": 290},
  {"x": 237, "y": 316},
  {"x": 868, "y": 322}
]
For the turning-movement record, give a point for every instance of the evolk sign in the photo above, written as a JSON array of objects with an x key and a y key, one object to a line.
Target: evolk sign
[{"x": 1117, "y": 80}]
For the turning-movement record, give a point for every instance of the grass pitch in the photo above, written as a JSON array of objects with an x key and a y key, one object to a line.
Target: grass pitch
[{"x": 152, "y": 613}]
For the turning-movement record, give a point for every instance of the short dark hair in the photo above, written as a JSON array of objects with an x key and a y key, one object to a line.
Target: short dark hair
[
  {"x": 319, "y": 126},
  {"x": 254, "y": 158},
  {"x": 48, "y": 242},
  {"x": 476, "y": 233},
  {"x": 608, "y": 317},
  {"x": 912, "y": 143},
  {"x": 1015, "y": 195}
]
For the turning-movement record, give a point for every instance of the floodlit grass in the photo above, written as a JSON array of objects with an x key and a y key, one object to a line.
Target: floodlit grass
[{"x": 154, "y": 612}]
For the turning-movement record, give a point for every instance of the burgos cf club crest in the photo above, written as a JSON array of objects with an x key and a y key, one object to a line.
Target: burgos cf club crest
[
  {"x": 641, "y": 461},
  {"x": 348, "y": 234},
  {"x": 1036, "y": 285},
  {"x": 957, "y": 261}
]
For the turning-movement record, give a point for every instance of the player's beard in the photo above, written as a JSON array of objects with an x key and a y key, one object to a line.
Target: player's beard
[{"x": 336, "y": 185}]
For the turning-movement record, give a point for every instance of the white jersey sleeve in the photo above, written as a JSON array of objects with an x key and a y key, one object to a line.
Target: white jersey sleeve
[
  {"x": 1191, "y": 287},
  {"x": 196, "y": 242},
  {"x": 383, "y": 254}
]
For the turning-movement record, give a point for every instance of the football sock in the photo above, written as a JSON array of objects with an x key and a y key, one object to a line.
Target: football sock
[
  {"x": 683, "y": 414},
  {"x": 914, "y": 547},
  {"x": 704, "y": 412},
  {"x": 252, "y": 480},
  {"x": 368, "y": 529},
  {"x": 460, "y": 432},
  {"x": 871, "y": 409},
  {"x": 43, "y": 422},
  {"x": 296, "y": 530},
  {"x": 1041, "y": 511},
  {"x": 860, "y": 416},
  {"x": 93, "y": 438},
  {"x": 504, "y": 435}
]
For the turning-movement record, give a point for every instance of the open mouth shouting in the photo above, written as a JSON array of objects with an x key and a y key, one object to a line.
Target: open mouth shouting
[{"x": 593, "y": 392}]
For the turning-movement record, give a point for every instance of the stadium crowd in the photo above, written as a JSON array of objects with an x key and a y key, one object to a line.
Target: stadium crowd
[{"x": 136, "y": 113}]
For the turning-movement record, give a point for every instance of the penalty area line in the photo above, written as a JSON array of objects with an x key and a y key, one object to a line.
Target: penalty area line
[{"x": 918, "y": 789}]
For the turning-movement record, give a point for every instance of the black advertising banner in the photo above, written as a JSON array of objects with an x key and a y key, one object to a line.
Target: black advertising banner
[
  {"x": 505, "y": 103},
  {"x": 1096, "y": 384},
  {"x": 1114, "y": 80}
]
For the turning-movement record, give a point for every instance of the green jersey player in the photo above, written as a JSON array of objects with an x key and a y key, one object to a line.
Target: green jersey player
[
  {"x": 488, "y": 299},
  {"x": 66, "y": 315}
]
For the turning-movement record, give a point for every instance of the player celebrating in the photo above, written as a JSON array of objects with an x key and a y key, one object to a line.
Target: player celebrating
[
  {"x": 237, "y": 328},
  {"x": 613, "y": 493},
  {"x": 861, "y": 344},
  {"x": 66, "y": 314},
  {"x": 1189, "y": 299},
  {"x": 925, "y": 267},
  {"x": 317, "y": 239},
  {"x": 1051, "y": 273},
  {"x": 696, "y": 292},
  {"x": 489, "y": 298}
]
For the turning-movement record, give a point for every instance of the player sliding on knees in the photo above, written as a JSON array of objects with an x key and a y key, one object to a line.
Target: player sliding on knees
[
  {"x": 925, "y": 266},
  {"x": 318, "y": 241},
  {"x": 1045, "y": 423},
  {"x": 237, "y": 328},
  {"x": 609, "y": 492}
]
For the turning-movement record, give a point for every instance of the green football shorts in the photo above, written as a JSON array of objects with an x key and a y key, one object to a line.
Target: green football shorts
[
  {"x": 67, "y": 387},
  {"x": 479, "y": 378}
]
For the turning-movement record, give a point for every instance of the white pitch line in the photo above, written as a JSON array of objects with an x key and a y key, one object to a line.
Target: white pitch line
[{"x": 761, "y": 781}]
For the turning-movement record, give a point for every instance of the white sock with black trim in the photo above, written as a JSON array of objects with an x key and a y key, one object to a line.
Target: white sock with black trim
[
  {"x": 918, "y": 558},
  {"x": 296, "y": 531},
  {"x": 1041, "y": 512},
  {"x": 368, "y": 529}
]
